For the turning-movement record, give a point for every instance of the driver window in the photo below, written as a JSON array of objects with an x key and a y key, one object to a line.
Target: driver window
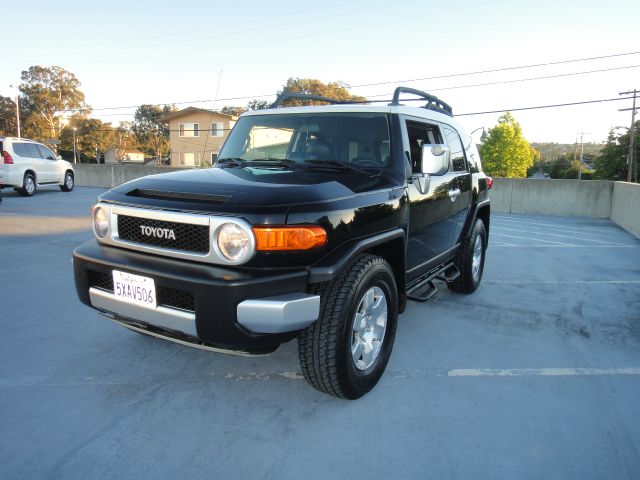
[
  {"x": 45, "y": 152},
  {"x": 419, "y": 134}
]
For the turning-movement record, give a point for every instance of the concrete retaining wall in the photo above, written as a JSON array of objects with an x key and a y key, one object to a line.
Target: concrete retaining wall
[
  {"x": 625, "y": 206},
  {"x": 108, "y": 176},
  {"x": 590, "y": 198}
]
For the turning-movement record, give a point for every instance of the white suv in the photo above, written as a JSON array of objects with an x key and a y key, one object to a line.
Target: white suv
[{"x": 28, "y": 164}]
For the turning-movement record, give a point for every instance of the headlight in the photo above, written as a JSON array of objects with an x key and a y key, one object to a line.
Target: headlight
[
  {"x": 233, "y": 242},
  {"x": 100, "y": 222}
]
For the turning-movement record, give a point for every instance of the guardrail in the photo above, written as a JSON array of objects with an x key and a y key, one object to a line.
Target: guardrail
[{"x": 618, "y": 201}]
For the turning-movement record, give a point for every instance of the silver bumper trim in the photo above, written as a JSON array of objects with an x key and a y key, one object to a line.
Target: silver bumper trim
[
  {"x": 161, "y": 317},
  {"x": 279, "y": 314},
  {"x": 200, "y": 346}
]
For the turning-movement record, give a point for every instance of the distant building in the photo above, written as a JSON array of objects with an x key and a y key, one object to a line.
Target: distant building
[
  {"x": 196, "y": 135},
  {"x": 129, "y": 156}
]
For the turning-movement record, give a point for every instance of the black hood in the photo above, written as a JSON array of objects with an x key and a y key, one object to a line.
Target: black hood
[{"x": 242, "y": 190}]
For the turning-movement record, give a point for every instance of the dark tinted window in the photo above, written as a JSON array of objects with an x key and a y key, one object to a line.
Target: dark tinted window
[
  {"x": 26, "y": 150},
  {"x": 358, "y": 138},
  {"x": 455, "y": 145},
  {"x": 45, "y": 152},
  {"x": 472, "y": 153}
]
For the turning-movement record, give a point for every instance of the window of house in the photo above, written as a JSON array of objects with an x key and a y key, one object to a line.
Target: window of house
[
  {"x": 457, "y": 152},
  {"x": 189, "y": 130},
  {"x": 217, "y": 129},
  {"x": 214, "y": 157},
  {"x": 190, "y": 159}
]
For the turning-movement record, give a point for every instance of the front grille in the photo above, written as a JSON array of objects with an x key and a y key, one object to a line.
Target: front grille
[
  {"x": 167, "y": 297},
  {"x": 188, "y": 238}
]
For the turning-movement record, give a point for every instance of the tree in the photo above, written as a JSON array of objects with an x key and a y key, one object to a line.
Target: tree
[
  {"x": 8, "y": 122},
  {"x": 125, "y": 140},
  {"x": 233, "y": 111},
  {"x": 611, "y": 164},
  {"x": 311, "y": 86},
  {"x": 152, "y": 134},
  {"x": 93, "y": 137},
  {"x": 256, "y": 104},
  {"x": 505, "y": 152},
  {"x": 48, "y": 93}
]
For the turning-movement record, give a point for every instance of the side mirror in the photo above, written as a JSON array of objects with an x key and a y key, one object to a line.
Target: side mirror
[
  {"x": 58, "y": 157},
  {"x": 435, "y": 159}
]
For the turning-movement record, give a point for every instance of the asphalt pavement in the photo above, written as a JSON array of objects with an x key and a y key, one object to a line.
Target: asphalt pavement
[{"x": 536, "y": 375}]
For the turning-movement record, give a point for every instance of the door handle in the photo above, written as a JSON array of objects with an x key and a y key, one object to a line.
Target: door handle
[{"x": 453, "y": 194}]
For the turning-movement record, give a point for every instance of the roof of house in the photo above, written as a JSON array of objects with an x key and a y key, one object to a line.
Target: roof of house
[{"x": 188, "y": 110}]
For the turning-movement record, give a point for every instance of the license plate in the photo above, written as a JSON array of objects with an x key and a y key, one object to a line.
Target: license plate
[{"x": 134, "y": 289}]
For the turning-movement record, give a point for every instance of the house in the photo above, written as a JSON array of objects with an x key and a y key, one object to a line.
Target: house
[
  {"x": 196, "y": 136},
  {"x": 128, "y": 156}
]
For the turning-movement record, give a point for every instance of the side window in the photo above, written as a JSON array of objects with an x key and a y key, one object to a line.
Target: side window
[
  {"x": 26, "y": 150},
  {"x": 455, "y": 145},
  {"x": 45, "y": 152},
  {"x": 420, "y": 133},
  {"x": 473, "y": 157}
]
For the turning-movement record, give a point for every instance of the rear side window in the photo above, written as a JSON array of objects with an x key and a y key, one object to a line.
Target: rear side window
[
  {"x": 473, "y": 157},
  {"x": 26, "y": 150},
  {"x": 457, "y": 152},
  {"x": 45, "y": 152}
]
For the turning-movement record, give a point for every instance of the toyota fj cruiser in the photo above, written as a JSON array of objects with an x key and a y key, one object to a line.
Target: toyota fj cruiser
[{"x": 316, "y": 222}]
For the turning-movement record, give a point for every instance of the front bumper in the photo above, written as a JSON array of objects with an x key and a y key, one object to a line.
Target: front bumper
[{"x": 225, "y": 308}]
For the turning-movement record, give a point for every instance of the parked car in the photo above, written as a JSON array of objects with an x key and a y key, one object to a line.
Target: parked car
[
  {"x": 316, "y": 222},
  {"x": 28, "y": 164}
]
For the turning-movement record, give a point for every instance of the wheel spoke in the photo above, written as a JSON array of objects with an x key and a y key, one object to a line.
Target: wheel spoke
[
  {"x": 357, "y": 322},
  {"x": 369, "y": 354},
  {"x": 378, "y": 309},
  {"x": 357, "y": 346}
]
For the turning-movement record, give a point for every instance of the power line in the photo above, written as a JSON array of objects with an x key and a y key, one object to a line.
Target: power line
[
  {"x": 584, "y": 102},
  {"x": 248, "y": 97},
  {"x": 493, "y": 70}
]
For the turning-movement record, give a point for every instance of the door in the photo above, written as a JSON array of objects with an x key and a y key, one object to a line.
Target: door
[
  {"x": 52, "y": 170},
  {"x": 462, "y": 188},
  {"x": 431, "y": 220},
  {"x": 30, "y": 159}
]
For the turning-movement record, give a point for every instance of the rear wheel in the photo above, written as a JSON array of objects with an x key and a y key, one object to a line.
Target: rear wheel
[
  {"x": 346, "y": 351},
  {"x": 470, "y": 260},
  {"x": 28, "y": 185},
  {"x": 68, "y": 184}
]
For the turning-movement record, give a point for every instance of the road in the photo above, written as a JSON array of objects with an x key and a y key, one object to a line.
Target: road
[{"x": 536, "y": 375}]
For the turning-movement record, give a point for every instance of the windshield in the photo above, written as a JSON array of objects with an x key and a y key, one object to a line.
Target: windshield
[{"x": 358, "y": 139}]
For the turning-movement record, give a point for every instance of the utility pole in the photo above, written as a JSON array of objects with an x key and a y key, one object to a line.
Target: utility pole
[
  {"x": 17, "y": 111},
  {"x": 631, "y": 167},
  {"x": 74, "y": 145},
  {"x": 581, "y": 154}
]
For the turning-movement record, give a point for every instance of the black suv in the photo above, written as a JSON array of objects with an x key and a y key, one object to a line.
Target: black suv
[{"x": 316, "y": 222}]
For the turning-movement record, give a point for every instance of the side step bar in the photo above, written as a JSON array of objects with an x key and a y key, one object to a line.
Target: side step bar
[{"x": 425, "y": 288}]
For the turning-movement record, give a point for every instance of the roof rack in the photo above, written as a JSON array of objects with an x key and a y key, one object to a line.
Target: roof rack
[
  {"x": 305, "y": 96},
  {"x": 433, "y": 102}
]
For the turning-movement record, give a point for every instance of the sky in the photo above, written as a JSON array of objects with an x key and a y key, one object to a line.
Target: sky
[{"x": 213, "y": 54}]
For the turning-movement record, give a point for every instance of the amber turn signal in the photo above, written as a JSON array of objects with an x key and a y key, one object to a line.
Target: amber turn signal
[{"x": 289, "y": 238}]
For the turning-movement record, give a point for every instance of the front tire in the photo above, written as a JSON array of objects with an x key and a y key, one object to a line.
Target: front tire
[
  {"x": 68, "y": 183},
  {"x": 28, "y": 185},
  {"x": 345, "y": 352},
  {"x": 470, "y": 260}
]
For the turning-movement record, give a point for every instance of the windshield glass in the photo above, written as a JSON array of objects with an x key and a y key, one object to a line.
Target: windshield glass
[{"x": 359, "y": 139}]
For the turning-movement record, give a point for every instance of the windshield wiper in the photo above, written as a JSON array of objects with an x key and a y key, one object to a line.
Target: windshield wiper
[
  {"x": 230, "y": 162},
  {"x": 269, "y": 162},
  {"x": 258, "y": 162},
  {"x": 339, "y": 165}
]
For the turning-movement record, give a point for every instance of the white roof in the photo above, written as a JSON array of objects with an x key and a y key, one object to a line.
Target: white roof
[{"x": 359, "y": 108}]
